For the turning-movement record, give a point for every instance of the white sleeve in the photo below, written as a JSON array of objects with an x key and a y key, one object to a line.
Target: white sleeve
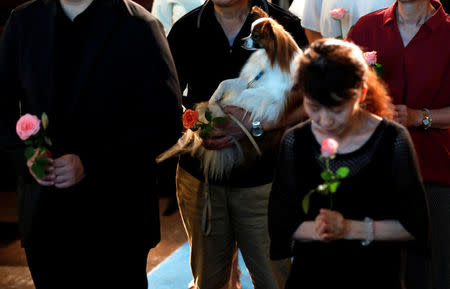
[
  {"x": 162, "y": 9},
  {"x": 297, "y": 7},
  {"x": 312, "y": 9}
]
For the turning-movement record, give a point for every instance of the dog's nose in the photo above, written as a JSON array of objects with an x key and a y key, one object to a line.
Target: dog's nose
[{"x": 247, "y": 43}]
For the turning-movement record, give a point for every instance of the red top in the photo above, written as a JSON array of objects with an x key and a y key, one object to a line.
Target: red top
[{"x": 417, "y": 75}]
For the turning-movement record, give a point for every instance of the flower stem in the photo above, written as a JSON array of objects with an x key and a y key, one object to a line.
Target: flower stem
[
  {"x": 327, "y": 164},
  {"x": 340, "y": 26}
]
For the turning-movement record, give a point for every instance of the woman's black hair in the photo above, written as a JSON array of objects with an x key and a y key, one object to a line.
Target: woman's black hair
[{"x": 330, "y": 71}]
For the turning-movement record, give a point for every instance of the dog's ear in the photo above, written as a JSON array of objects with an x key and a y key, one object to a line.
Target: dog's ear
[{"x": 257, "y": 12}]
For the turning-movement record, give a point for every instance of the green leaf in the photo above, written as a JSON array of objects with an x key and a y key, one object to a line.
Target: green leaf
[
  {"x": 342, "y": 172},
  {"x": 334, "y": 186},
  {"x": 203, "y": 133},
  {"x": 220, "y": 120},
  {"x": 42, "y": 150},
  {"x": 47, "y": 140},
  {"x": 44, "y": 119},
  {"x": 38, "y": 170},
  {"x": 28, "y": 142},
  {"x": 379, "y": 69},
  {"x": 208, "y": 115},
  {"x": 206, "y": 129},
  {"x": 29, "y": 152},
  {"x": 41, "y": 161},
  {"x": 326, "y": 175},
  {"x": 305, "y": 204},
  {"x": 195, "y": 127}
]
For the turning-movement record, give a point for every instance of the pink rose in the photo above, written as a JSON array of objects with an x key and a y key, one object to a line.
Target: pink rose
[
  {"x": 329, "y": 147},
  {"x": 338, "y": 13},
  {"x": 371, "y": 57},
  {"x": 27, "y": 126}
]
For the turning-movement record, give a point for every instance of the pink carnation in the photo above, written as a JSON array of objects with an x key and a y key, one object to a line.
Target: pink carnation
[
  {"x": 371, "y": 57},
  {"x": 27, "y": 126},
  {"x": 329, "y": 147},
  {"x": 338, "y": 13}
]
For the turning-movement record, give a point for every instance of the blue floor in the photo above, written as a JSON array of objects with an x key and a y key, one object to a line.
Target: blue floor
[{"x": 175, "y": 272}]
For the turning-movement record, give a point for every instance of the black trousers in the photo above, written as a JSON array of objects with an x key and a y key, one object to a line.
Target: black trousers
[{"x": 87, "y": 266}]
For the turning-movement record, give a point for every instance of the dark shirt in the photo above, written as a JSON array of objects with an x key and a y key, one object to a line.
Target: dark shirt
[
  {"x": 383, "y": 184},
  {"x": 69, "y": 41},
  {"x": 417, "y": 75},
  {"x": 204, "y": 58}
]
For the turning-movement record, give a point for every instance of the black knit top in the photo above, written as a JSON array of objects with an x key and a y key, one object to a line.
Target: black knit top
[{"x": 383, "y": 184}]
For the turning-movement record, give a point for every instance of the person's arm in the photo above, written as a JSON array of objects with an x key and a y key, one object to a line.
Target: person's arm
[
  {"x": 180, "y": 53},
  {"x": 162, "y": 10},
  {"x": 159, "y": 99},
  {"x": 413, "y": 117},
  {"x": 284, "y": 214},
  {"x": 9, "y": 84},
  {"x": 331, "y": 225},
  {"x": 310, "y": 18},
  {"x": 291, "y": 118},
  {"x": 150, "y": 122},
  {"x": 220, "y": 139},
  {"x": 312, "y": 35},
  {"x": 410, "y": 222}
]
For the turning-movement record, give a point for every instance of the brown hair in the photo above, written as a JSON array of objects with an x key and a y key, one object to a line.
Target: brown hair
[
  {"x": 331, "y": 71},
  {"x": 278, "y": 43}
]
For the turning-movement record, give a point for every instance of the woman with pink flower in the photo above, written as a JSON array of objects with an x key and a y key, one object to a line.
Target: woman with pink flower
[{"x": 347, "y": 195}]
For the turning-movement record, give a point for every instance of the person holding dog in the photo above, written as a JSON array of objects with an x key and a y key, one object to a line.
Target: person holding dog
[
  {"x": 103, "y": 73},
  {"x": 351, "y": 236},
  {"x": 206, "y": 47}
]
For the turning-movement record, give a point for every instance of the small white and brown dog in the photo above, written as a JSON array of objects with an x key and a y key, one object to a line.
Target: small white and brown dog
[{"x": 263, "y": 89}]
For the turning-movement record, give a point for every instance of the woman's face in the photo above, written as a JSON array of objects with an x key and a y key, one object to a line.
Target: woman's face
[{"x": 332, "y": 121}]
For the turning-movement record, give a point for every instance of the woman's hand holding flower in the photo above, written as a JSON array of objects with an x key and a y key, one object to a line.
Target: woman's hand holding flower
[{"x": 331, "y": 225}]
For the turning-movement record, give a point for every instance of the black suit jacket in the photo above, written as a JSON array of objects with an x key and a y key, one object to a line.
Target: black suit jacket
[{"x": 130, "y": 112}]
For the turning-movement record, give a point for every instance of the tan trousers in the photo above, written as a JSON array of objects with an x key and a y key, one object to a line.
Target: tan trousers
[{"x": 238, "y": 216}]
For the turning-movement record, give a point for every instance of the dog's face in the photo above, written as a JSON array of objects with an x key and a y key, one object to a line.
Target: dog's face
[
  {"x": 252, "y": 42},
  {"x": 269, "y": 35},
  {"x": 259, "y": 35}
]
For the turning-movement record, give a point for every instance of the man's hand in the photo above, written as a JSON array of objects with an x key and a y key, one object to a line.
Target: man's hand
[
  {"x": 222, "y": 137},
  {"x": 68, "y": 171},
  {"x": 49, "y": 178},
  {"x": 331, "y": 225},
  {"x": 406, "y": 116}
]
